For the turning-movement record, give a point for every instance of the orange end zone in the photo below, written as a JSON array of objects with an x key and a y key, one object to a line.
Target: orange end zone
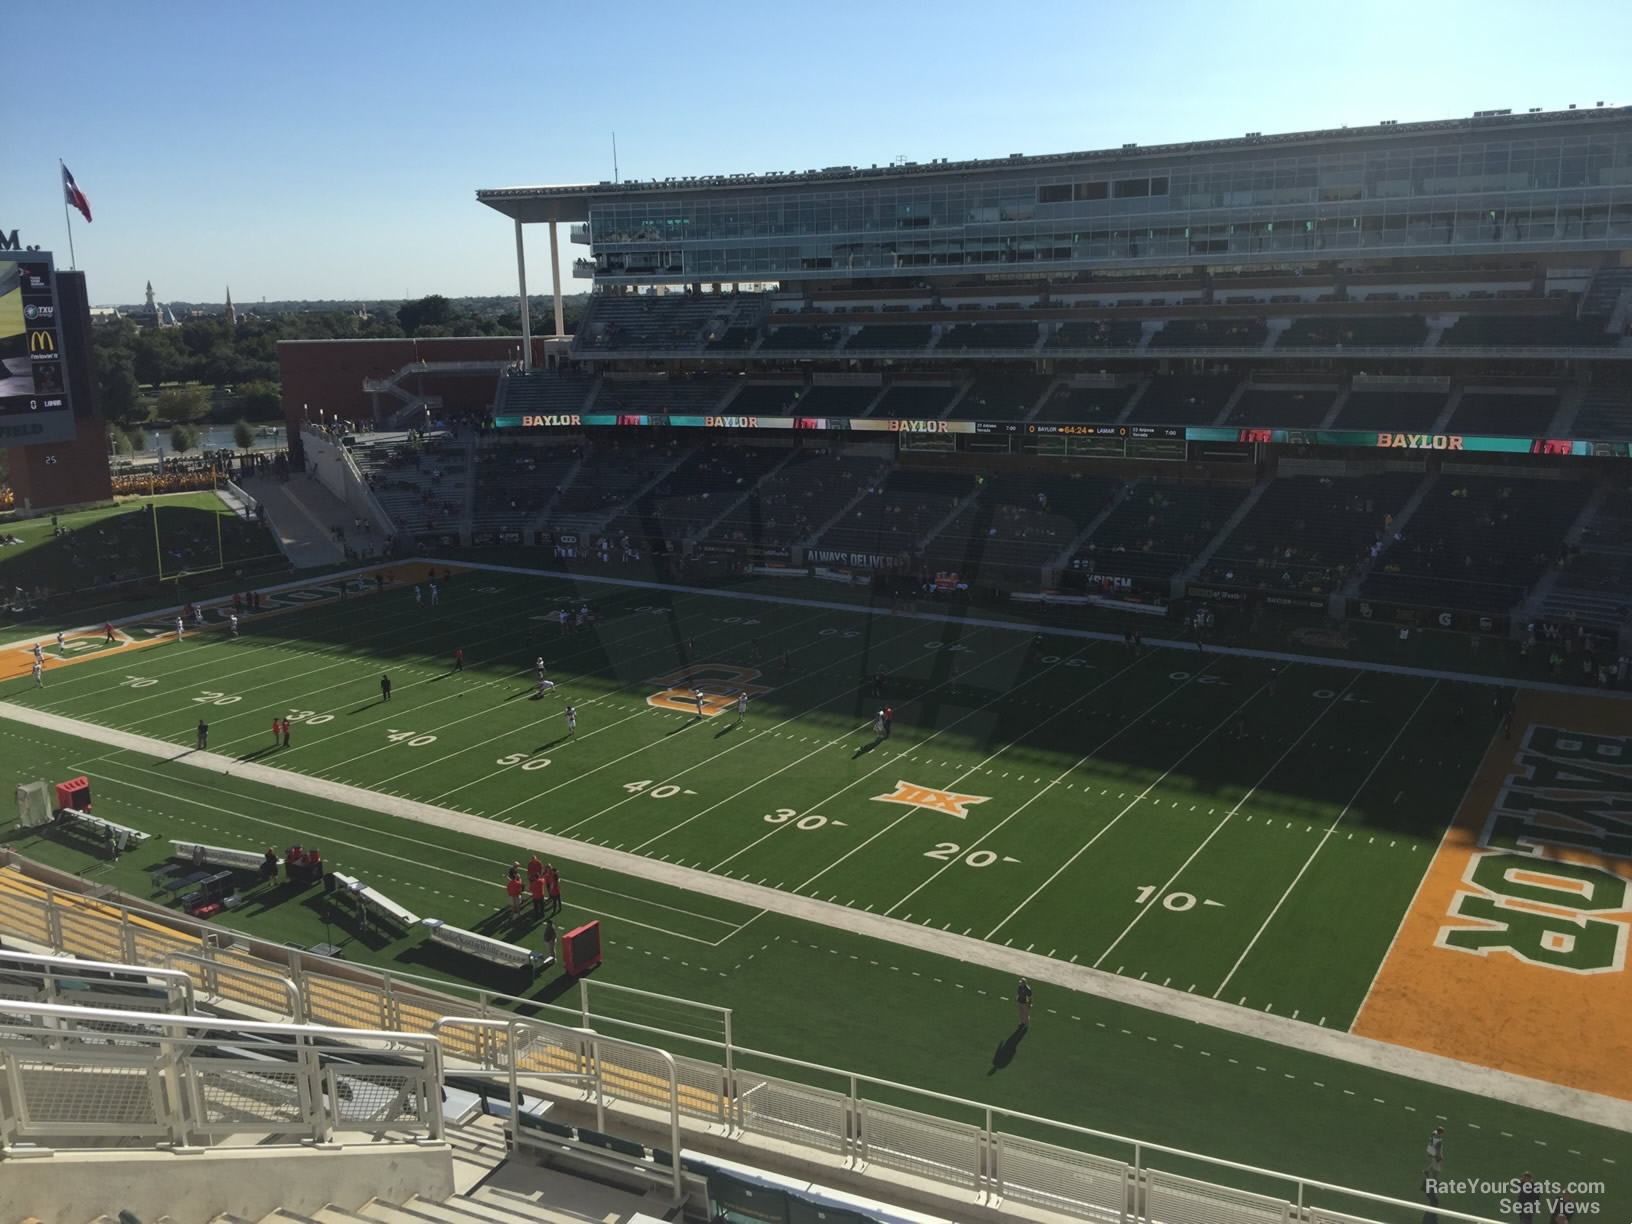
[{"x": 1514, "y": 953}]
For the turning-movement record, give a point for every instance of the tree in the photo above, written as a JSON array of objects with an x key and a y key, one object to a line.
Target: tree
[
  {"x": 263, "y": 401},
  {"x": 137, "y": 437},
  {"x": 121, "y": 393},
  {"x": 185, "y": 404},
  {"x": 434, "y": 310},
  {"x": 182, "y": 438},
  {"x": 243, "y": 435},
  {"x": 118, "y": 440}
]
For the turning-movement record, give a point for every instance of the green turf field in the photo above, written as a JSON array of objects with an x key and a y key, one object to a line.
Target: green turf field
[
  {"x": 828, "y": 997},
  {"x": 1189, "y": 820}
]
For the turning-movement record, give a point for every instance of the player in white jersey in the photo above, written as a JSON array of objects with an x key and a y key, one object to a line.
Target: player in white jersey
[
  {"x": 232, "y": 620},
  {"x": 697, "y": 696},
  {"x": 572, "y": 720},
  {"x": 538, "y": 666},
  {"x": 39, "y": 669},
  {"x": 39, "y": 654},
  {"x": 59, "y": 641},
  {"x": 742, "y": 704},
  {"x": 178, "y": 628},
  {"x": 563, "y": 616},
  {"x": 436, "y": 595},
  {"x": 878, "y": 725}
]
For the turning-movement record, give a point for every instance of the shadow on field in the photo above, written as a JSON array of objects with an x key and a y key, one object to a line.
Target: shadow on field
[
  {"x": 726, "y": 730},
  {"x": 865, "y": 748},
  {"x": 1005, "y": 1053},
  {"x": 330, "y": 912}
]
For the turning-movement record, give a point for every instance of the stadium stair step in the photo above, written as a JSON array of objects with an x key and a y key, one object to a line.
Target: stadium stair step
[
  {"x": 1452, "y": 403},
  {"x": 1229, "y": 404},
  {"x": 708, "y": 528},
  {"x": 1063, "y": 561},
  {"x": 962, "y": 505},
  {"x": 1533, "y": 603},
  {"x": 1438, "y": 325},
  {"x": 300, "y": 513},
  {"x": 1569, "y": 406},
  {"x": 1327, "y": 421},
  {"x": 378, "y": 1211},
  {"x": 1351, "y": 588},
  {"x": 1133, "y": 401},
  {"x": 872, "y": 404},
  {"x": 1276, "y": 328},
  {"x": 963, "y": 390},
  {"x": 601, "y": 520},
  {"x": 843, "y": 511},
  {"x": 1151, "y": 327},
  {"x": 332, "y": 1213},
  {"x": 542, "y": 520},
  {"x": 463, "y": 1209},
  {"x": 1224, "y": 532}
]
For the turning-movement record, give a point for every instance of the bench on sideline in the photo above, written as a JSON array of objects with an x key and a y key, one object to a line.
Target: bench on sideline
[
  {"x": 485, "y": 947},
  {"x": 373, "y": 904}
]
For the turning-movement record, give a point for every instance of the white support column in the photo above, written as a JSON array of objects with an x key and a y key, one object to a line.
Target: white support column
[
  {"x": 555, "y": 280},
  {"x": 526, "y": 318}
]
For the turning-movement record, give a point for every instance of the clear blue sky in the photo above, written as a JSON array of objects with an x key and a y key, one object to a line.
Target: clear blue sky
[{"x": 332, "y": 149}]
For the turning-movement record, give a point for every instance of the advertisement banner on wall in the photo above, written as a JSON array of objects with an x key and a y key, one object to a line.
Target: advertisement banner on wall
[
  {"x": 1456, "y": 620},
  {"x": 1275, "y": 599},
  {"x": 760, "y": 554}
]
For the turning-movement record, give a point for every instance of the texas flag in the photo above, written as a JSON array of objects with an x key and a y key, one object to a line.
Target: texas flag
[{"x": 75, "y": 196}]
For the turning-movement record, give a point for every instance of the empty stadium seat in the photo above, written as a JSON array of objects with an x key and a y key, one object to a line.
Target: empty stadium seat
[
  {"x": 1211, "y": 333},
  {"x": 1517, "y": 416},
  {"x": 1155, "y": 530},
  {"x": 1184, "y": 399},
  {"x": 1404, "y": 411},
  {"x": 1283, "y": 407}
]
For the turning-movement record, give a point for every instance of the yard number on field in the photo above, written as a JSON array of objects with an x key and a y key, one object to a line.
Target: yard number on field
[
  {"x": 806, "y": 822},
  {"x": 310, "y": 717},
  {"x": 209, "y": 697},
  {"x": 666, "y": 791},
  {"x": 412, "y": 738},
  {"x": 948, "y": 852},
  {"x": 526, "y": 761},
  {"x": 1178, "y": 902},
  {"x": 138, "y": 682}
]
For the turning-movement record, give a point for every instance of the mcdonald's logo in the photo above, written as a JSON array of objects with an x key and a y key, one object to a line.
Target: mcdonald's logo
[{"x": 42, "y": 342}]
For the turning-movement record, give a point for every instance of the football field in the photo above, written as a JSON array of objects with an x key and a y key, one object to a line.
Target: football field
[{"x": 1226, "y": 826}]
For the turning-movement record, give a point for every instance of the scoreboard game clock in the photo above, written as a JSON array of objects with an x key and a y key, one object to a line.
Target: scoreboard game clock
[{"x": 34, "y": 403}]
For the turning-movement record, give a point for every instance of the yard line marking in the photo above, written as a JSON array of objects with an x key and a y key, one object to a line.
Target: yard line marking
[
  {"x": 1240, "y": 803},
  {"x": 1370, "y": 773},
  {"x": 848, "y": 691},
  {"x": 976, "y": 769},
  {"x": 1106, "y": 828},
  {"x": 1421, "y": 880}
]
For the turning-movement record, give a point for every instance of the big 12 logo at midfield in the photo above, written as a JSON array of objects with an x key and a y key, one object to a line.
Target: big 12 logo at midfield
[{"x": 720, "y": 683}]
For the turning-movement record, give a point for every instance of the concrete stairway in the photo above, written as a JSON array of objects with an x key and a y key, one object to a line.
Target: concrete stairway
[{"x": 302, "y": 514}]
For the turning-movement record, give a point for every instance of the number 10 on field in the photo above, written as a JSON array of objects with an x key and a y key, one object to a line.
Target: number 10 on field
[{"x": 1178, "y": 902}]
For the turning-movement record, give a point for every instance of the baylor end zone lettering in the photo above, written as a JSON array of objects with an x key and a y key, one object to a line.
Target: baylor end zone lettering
[{"x": 1547, "y": 884}]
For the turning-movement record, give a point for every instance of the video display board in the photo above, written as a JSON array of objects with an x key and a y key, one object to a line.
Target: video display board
[{"x": 34, "y": 403}]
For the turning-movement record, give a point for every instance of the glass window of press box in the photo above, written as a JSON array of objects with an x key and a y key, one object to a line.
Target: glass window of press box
[{"x": 1503, "y": 193}]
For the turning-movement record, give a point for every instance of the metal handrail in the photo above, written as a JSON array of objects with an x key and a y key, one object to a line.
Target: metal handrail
[
  {"x": 176, "y": 977},
  {"x": 211, "y": 966}
]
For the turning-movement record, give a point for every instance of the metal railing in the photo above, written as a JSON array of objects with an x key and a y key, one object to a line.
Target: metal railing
[
  {"x": 182, "y": 1081},
  {"x": 969, "y": 1145}
]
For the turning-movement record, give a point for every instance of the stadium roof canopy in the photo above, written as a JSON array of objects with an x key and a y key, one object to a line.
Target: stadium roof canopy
[{"x": 570, "y": 202}]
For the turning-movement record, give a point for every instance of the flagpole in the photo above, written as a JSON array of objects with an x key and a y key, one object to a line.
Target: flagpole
[{"x": 62, "y": 179}]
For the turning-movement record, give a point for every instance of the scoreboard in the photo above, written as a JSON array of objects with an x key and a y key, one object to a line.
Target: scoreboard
[{"x": 34, "y": 404}]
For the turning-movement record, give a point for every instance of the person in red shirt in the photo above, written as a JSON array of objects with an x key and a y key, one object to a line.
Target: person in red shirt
[
  {"x": 291, "y": 863},
  {"x": 277, "y": 731},
  {"x": 535, "y": 886},
  {"x": 108, "y": 629},
  {"x": 286, "y": 733},
  {"x": 552, "y": 881},
  {"x": 313, "y": 865},
  {"x": 458, "y": 658},
  {"x": 534, "y": 868},
  {"x": 512, "y": 888}
]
